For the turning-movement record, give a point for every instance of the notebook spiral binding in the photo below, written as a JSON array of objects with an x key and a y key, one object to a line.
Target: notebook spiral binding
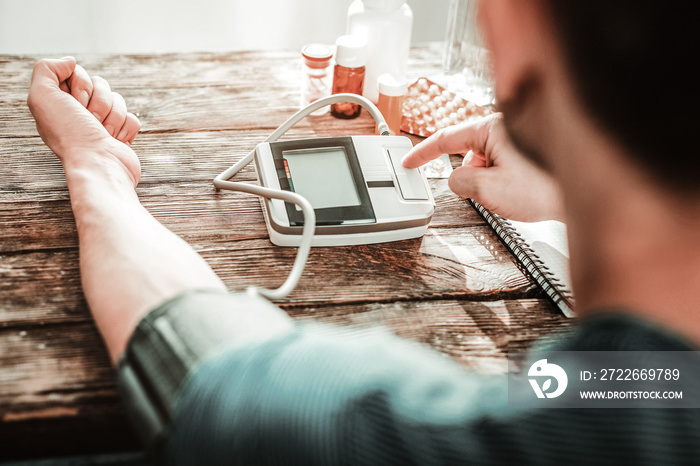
[{"x": 551, "y": 285}]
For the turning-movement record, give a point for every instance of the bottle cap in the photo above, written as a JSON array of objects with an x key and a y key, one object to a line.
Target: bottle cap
[
  {"x": 351, "y": 51},
  {"x": 317, "y": 55},
  {"x": 388, "y": 85},
  {"x": 383, "y": 5}
]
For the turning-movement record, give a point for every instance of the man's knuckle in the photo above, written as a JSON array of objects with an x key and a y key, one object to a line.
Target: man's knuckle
[
  {"x": 133, "y": 120},
  {"x": 118, "y": 102},
  {"x": 453, "y": 185},
  {"x": 77, "y": 86},
  {"x": 100, "y": 105},
  {"x": 41, "y": 64},
  {"x": 441, "y": 139},
  {"x": 479, "y": 184},
  {"x": 101, "y": 82},
  {"x": 116, "y": 114},
  {"x": 440, "y": 135}
]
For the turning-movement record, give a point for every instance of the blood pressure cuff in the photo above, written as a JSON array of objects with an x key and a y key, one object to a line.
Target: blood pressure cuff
[{"x": 174, "y": 339}]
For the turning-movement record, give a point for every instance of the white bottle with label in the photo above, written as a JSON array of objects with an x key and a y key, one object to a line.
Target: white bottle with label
[{"x": 386, "y": 26}]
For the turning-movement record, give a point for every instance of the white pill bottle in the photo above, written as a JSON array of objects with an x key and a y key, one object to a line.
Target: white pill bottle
[{"x": 386, "y": 26}]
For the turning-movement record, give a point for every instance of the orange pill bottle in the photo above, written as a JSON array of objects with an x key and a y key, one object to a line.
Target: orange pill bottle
[
  {"x": 348, "y": 74},
  {"x": 390, "y": 103}
]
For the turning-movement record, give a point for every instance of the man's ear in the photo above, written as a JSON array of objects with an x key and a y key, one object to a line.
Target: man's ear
[{"x": 513, "y": 32}]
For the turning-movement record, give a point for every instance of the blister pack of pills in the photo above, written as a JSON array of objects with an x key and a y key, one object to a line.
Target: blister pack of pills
[{"x": 429, "y": 107}]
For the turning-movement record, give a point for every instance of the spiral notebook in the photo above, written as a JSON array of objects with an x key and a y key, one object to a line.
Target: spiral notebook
[{"x": 542, "y": 250}]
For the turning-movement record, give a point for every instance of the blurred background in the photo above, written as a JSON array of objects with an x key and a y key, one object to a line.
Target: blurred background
[{"x": 149, "y": 26}]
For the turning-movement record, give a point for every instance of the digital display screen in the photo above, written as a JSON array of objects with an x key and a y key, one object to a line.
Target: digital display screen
[{"x": 321, "y": 175}]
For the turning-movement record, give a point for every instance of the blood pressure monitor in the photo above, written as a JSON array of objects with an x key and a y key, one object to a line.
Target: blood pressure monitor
[
  {"x": 334, "y": 191},
  {"x": 357, "y": 186}
]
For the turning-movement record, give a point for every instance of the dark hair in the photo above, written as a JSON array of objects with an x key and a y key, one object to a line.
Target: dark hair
[{"x": 632, "y": 63}]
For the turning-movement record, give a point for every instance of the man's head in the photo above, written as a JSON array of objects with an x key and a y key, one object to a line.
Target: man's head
[
  {"x": 600, "y": 93},
  {"x": 626, "y": 63}
]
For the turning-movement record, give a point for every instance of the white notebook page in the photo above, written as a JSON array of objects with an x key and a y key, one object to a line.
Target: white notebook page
[{"x": 548, "y": 240}]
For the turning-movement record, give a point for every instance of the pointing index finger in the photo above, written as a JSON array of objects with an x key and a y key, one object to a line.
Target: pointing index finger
[
  {"x": 457, "y": 139},
  {"x": 425, "y": 151}
]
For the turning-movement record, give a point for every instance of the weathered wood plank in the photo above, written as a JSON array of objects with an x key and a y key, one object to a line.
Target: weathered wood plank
[
  {"x": 198, "y": 109},
  {"x": 192, "y": 92},
  {"x": 468, "y": 263},
  {"x": 65, "y": 359},
  {"x": 100, "y": 425},
  {"x": 191, "y": 109},
  {"x": 58, "y": 394},
  {"x": 27, "y": 164},
  {"x": 166, "y": 70},
  {"x": 43, "y": 220},
  {"x": 197, "y": 69},
  {"x": 445, "y": 262},
  {"x": 476, "y": 334}
]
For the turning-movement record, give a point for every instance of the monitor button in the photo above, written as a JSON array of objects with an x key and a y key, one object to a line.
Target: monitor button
[{"x": 410, "y": 180}]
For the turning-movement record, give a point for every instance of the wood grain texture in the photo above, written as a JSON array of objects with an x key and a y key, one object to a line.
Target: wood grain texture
[
  {"x": 28, "y": 165},
  {"x": 446, "y": 262},
  {"x": 476, "y": 334},
  {"x": 457, "y": 289},
  {"x": 192, "y": 209},
  {"x": 195, "y": 91},
  {"x": 58, "y": 394},
  {"x": 194, "y": 109},
  {"x": 224, "y": 69}
]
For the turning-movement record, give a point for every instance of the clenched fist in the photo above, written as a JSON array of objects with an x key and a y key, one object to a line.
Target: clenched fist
[{"x": 80, "y": 118}]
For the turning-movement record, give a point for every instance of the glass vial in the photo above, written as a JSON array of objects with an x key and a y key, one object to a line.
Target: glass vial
[
  {"x": 466, "y": 61},
  {"x": 348, "y": 74},
  {"x": 391, "y": 94},
  {"x": 315, "y": 79}
]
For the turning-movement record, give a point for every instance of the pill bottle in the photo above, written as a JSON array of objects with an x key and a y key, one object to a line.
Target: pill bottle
[
  {"x": 348, "y": 74},
  {"x": 386, "y": 26},
  {"x": 390, "y": 102},
  {"x": 315, "y": 76}
]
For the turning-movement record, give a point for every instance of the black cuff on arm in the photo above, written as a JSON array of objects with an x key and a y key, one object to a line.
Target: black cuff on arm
[{"x": 175, "y": 338}]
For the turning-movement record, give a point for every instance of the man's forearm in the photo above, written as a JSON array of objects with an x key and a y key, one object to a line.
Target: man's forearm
[{"x": 129, "y": 262}]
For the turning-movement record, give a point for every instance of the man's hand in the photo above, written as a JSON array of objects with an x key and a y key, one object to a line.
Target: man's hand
[
  {"x": 493, "y": 173},
  {"x": 81, "y": 120}
]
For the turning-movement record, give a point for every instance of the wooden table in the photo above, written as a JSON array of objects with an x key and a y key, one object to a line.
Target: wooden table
[{"x": 457, "y": 289}]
